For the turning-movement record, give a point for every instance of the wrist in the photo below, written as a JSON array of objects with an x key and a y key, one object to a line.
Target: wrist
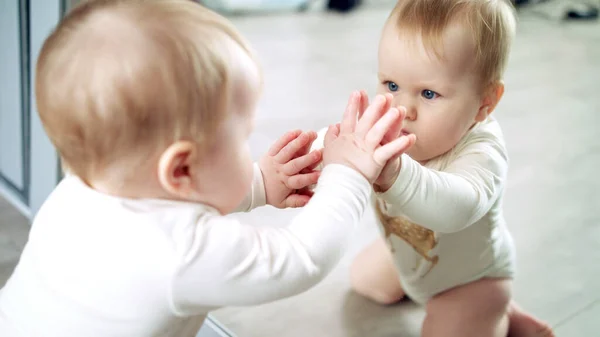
[
  {"x": 386, "y": 185},
  {"x": 389, "y": 179}
]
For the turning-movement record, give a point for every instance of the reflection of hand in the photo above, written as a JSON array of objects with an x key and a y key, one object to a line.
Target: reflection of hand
[
  {"x": 391, "y": 170},
  {"x": 358, "y": 143}
]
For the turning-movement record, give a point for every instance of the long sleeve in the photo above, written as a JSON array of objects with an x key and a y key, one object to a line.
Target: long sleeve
[
  {"x": 449, "y": 200},
  {"x": 225, "y": 262},
  {"x": 257, "y": 196}
]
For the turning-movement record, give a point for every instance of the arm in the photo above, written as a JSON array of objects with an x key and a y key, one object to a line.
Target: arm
[
  {"x": 256, "y": 196},
  {"x": 456, "y": 198},
  {"x": 221, "y": 262},
  {"x": 229, "y": 263}
]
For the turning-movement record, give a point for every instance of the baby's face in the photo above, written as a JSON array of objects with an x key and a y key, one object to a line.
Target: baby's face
[
  {"x": 441, "y": 95},
  {"x": 226, "y": 177}
]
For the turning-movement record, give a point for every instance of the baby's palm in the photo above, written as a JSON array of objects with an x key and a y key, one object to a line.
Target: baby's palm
[
  {"x": 392, "y": 167},
  {"x": 359, "y": 143}
]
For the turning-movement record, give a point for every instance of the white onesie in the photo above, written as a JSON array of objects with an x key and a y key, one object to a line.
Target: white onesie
[
  {"x": 103, "y": 266},
  {"x": 456, "y": 199}
]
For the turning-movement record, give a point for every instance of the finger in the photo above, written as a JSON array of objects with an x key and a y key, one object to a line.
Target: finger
[
  {"x": 396, "y": 128},
  {"x": 389, "y": 98},
  {"x": 375, "y": 136},
  {"x": 372, "y": 115},
  {"x": 289, "y": 151},
  {"x": 388, "y": 101},
  {"x": 310, "y": 168},
  {"x": 393, "y": 149},
  {"x": 305, "y": 191},
  {"x": 301, "y": 181},
  {"x": 412, "y": 139},
  {"x": 306, "y": 148},
  {"x": 332, "y": 133},
  {"x": 283, "y": 141},
  {"x": 295, "y": 166},
  {"x": 350, "y": 115},
  {"x": 314, "y": 166},
  {"x": 364, "y": 103},
  {"x": 297, "y": 200},
  {"x": 312, "y": 136}
]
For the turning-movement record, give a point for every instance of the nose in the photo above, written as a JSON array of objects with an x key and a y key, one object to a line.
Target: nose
[
  {"x": 411, "y": 112},
  {"x": 406, "y": 101}
]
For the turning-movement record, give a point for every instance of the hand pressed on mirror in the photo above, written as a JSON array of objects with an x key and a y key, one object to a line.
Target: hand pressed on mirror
[
  {"x": 390, "y": 171},
  {"x": 287, "y": 169},
  {"x": 359, "y": 142}
]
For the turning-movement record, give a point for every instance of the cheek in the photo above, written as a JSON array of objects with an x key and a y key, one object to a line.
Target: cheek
[
  {"x": 447, "y": 131},
  {"x": 249, "y": 170},
  {"x": 438, "y": 132},
  {"x": 237, "y": 180}
]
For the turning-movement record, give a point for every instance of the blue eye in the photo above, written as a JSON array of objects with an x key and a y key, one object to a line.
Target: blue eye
[
  {"x": 429, "y": 94},
  {"x": 393, "y": 87}
]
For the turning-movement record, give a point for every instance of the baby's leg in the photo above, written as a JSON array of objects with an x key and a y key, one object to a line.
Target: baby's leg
[
  {"x": 374, "y": 275},
  {"x": 476, "y": 309},
  {"x": 523, "y": 324}
]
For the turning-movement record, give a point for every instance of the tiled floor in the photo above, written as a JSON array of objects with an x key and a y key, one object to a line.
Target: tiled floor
[{"x": 550, "y": 115}]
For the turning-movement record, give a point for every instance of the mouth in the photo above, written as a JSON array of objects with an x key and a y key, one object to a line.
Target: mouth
[{"x": 405, "y": 132}]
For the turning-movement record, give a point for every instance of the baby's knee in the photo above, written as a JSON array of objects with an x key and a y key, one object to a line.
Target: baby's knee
[
  {"x": 378, "y": 295},
  {"x": 375, "y": 278}
]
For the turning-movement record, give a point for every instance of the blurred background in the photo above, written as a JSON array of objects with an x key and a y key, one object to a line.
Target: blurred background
[{"x": 314, "y": 54}]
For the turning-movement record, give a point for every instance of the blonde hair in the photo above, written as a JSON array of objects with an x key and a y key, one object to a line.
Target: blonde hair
[
  {"x": 492, "y": 24},
  {"x": 121, "y": 79}
]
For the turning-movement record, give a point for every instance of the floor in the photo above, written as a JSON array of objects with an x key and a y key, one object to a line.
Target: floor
[
  {"x": 550, "y": 115},
  {"x": 13, "y": 235}
]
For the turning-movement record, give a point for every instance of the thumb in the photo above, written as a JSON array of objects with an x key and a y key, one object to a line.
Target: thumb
[
  {"x": 393, "y": 149},
  {"x": 332, "y": 133},
  {"x": 396, "y": 130}
]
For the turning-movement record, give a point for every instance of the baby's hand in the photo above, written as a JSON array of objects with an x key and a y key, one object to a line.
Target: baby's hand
[
  {"x": 359, "y": 144},
  {"x": 287, "y": 169},
  {"x": 392, "y": 168}
]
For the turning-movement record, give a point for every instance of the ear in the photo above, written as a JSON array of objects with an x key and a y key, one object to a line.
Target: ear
[
  {"x": 490, "y": 100},
  {"x": 175, "y": 169}
]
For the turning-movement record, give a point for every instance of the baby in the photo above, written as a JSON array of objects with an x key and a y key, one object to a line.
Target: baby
[
  {"x": 150, "y": 104},
  {"x": 444, "y": 238}
]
